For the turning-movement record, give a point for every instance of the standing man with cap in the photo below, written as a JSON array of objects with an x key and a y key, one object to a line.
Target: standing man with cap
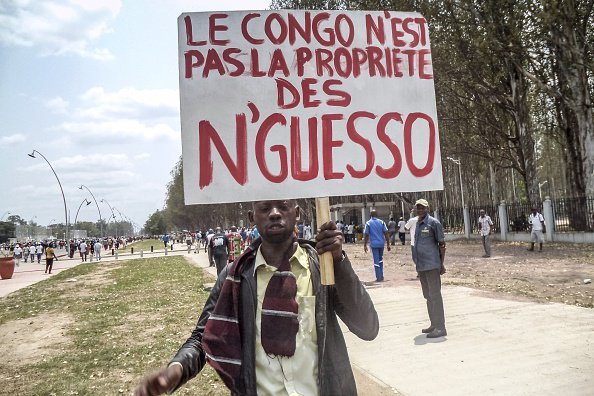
[
  {"x": 376, "y": 231},
  {"x": 428, "y": 254}
]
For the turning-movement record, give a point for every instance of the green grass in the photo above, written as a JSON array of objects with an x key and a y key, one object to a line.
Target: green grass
[
  {"x": 145, "y": 245},
  {"x": 128, "y": 318}
]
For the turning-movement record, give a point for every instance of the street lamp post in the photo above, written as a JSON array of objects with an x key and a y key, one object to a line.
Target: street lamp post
[
  {"x": 32, "y": 155},
  {"x": 99, "y": 210},
  {"x": 457, "y": 162},
  {"x": 78, "y": 210},
  {"x": 112, "y": 215},
  {"x": 540, "y": 188},
  {"x": 465, "y": 212}
]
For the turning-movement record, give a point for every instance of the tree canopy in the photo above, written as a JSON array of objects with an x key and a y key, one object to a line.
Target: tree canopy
[{"x": 514, "y": 88}]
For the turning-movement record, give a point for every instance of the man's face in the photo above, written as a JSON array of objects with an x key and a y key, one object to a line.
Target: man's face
[
  {"x": 275, "y": 219},
  {"x": 482, "y": 213},
  {"x": 421, "y": 211}
]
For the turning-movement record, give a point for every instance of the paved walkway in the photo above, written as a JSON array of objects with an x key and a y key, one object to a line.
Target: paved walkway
[{"x": 493, "y": 347}]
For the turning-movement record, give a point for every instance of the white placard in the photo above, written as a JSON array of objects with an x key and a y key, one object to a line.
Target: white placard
[{"x": 293, "y": 104}]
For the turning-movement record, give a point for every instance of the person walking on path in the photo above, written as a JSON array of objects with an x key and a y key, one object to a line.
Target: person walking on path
[
  {"x": 97, "y": 250},
  {"x": 428, "y": 255},
  {"x": 208, "y": 247},
  {"x": 82, "y": 247},
  {"x": 392, "y": 227},
  {"x": 17, "y": 254},
  {"x": 189, "y": 242},
  {"x": 221, "y": 247},
  {"x": 376, "y": 232},
  {"x": 538, "y": 228},
  {"x": 39, "y": 251},
  {"x": 235, "y": 244},
  {"x": 402, "y": 230},
  {"x": 32, "y": 251},
  {"x": 350, "y": 233},
  {"x": 165, "y": 240},
  {"x": 26, "y": 253},
  {"x": 49, "y": 258},
  {"x": 297, "y": 348},
  {"x": 307, "y": 232},
  {"x": 484, "y": 227},
  {"x": 198, "y": 240}
]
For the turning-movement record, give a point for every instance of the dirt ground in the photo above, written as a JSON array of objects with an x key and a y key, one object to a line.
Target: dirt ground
[
  {"x": 29, "y": 340},
  {"x": 557, "y": 274}
]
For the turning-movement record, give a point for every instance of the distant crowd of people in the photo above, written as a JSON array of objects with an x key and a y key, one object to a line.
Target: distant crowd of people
[
  {"x": 84, "y": 247},
  {"x": 222, "y": 246}
]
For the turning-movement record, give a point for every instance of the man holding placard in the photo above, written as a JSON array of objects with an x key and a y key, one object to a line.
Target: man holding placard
[
  {"x": 269, "y": 326},
  {"x": 276, "y": 105}
]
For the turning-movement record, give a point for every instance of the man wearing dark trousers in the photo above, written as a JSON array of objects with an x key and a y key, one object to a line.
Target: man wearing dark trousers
[
  {"x": 428, "y": 255},
  {"x": 221, "y": 247}
]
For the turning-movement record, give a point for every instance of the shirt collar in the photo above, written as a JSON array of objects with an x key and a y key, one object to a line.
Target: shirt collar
[{"x": 300, "y": 256}]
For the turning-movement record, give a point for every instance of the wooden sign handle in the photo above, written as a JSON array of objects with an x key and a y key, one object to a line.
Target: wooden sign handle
[{"x": 326, "y": 260}]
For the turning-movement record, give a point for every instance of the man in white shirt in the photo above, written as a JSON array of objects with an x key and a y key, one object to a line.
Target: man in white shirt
[
  {"x": 18, "y": 254},
  {"x": 339, "y": 225},
  {"x": 402, "y": 230},
  {"x": 411, "y": 225},
  {"x": 351, "y": 233},
  {"x": 39, "y": 251},
  {"x": 538, "y": 228},
  {"x": 83, "y": 251},
  {"x": 307, "y": 232},
  {"x": 484, "y": 227},
  {"x": 97, "y": 248}
]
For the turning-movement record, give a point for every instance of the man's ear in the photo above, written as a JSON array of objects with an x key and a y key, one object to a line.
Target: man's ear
[
  {"x": 297, "y": 213},
  {"x": 251, "y": 216}
]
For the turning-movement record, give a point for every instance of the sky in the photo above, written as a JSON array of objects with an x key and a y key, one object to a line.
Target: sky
[{"x": 92, "y": 86}]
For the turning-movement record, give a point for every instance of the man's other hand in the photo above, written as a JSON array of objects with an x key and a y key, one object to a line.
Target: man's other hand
[{"x": 160, "y": 381}]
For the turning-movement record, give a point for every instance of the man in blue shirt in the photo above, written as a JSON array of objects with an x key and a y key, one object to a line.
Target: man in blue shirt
[
  {"x": 376, "y": 231},
  {"x": 428, "y": 254}
]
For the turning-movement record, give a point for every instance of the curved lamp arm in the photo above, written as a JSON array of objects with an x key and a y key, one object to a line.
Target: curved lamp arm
[{"x": 32, "y": 155}]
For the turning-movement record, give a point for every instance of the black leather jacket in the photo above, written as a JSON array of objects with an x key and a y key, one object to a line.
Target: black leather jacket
[{"x": 347, "y": 298}]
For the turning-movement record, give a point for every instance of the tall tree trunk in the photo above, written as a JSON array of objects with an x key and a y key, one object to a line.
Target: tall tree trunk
[
  {"x": 523, "y": 131},
  {"x": 494, "y": 175},
  {"x": 574, "y": 107}
]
